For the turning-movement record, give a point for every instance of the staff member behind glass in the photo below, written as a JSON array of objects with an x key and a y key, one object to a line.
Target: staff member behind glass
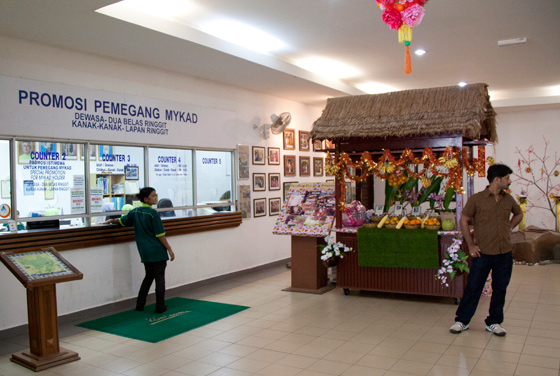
[{"x": 490, "y": 211}]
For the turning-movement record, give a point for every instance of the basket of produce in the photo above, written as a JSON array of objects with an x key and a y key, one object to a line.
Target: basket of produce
[
  {"x": 392, "y": 222},
  {"x": 370, "y": 225},
  {"x": 412, "y": 223},
  {"x": 432, "y": 223}
]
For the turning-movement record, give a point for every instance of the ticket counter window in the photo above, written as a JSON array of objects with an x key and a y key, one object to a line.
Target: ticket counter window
[
  {"x": 116, "y": 176},
  {"x": 171, "y": 174},
  {"x": 49, "y": 178},
  {"x": 214, "y": 181}
]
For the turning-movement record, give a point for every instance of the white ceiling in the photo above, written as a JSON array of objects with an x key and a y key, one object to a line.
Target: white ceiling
[{"x": 460, "y": 37}]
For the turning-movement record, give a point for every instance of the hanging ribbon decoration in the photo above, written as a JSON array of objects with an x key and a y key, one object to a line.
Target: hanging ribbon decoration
[
  {"x": 395, "y": 168},
  {"x": 403, "y": 15}
]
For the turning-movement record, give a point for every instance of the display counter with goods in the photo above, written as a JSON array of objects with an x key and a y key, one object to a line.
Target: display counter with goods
[{"x": 417, "y": 143}]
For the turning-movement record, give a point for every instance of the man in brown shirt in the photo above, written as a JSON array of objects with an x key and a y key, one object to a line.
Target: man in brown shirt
[{"x": 490, "y": 211}]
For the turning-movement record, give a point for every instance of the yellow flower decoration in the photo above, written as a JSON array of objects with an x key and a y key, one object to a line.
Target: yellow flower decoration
[{"x": 426, "y": 182}]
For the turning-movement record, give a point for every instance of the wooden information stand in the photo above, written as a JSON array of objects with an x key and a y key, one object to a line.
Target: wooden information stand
[
  {"x": 307, "y": 215},
  {"x": 39, "y": 272}
]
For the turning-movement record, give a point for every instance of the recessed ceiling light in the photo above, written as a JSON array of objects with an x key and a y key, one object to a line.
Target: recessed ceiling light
[
  {"x": 462, "y": 83},
  {"x": 419, "y": 52},
  {"x": 327, "y": 67}
]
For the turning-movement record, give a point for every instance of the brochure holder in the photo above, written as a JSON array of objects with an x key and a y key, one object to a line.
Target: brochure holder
[{"x": 39, "y": 272}]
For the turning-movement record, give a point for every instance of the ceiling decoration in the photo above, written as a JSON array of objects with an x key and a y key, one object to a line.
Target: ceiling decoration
[{"x": 403, "y": 15}]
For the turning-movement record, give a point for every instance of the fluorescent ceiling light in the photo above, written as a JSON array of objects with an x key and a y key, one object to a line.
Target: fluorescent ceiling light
[
  {"x": 327, "y": 67},
  {"x": 462, "y": 83},
  {"x": 375, "y": 88},
  {"x": 243, "y": 35},
  {"x": 419, "y": 52}
]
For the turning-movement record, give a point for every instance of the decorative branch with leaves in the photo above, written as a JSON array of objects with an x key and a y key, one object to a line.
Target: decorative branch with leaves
[{"x": 535, "y": 172}]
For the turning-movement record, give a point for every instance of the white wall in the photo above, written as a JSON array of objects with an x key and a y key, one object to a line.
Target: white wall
[{"x": 114, "y": 273}]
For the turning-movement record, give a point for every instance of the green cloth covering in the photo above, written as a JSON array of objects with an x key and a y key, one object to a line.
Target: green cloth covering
[
  {"x": 392, "y": 248},
  {"x": 181, "y": 316}
]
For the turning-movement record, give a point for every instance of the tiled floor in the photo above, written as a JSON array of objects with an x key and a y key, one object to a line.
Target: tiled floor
[{"x": 369, "y": 334}]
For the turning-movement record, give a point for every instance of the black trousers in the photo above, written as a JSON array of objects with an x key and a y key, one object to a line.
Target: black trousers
[
  {"x": 154, "y": 270},
  {"x": 501, "y": 267}
]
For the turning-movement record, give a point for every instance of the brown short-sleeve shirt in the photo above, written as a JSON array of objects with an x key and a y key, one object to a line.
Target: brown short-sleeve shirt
[{"x": 491, "y": 219}]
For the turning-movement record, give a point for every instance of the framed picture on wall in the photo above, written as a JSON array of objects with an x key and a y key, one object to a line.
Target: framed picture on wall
[
  {"x": 289, "y": 139},
  {"x": 69, "y": 151},
  {"x": 329, "y": 145},
  {"x": 243, "y": 162},
  {"x": 273, "y": 181},
  {"x": 92, "y": 152},
  {"x": 24, "y": 150},
  {"x": 105, "y": 153},
  {"x": 304, "y": 166},
  {"x": 317, "y": 166},
  {"x": 259, "y": 181},
  {"x": 304, "y": 141},
  {"x": 131, "y": 172},
  {"x": 259, "y": 207},
  {"x": 245, "y": 200},
  {"x": 273, "y": 156},
  {"x": 289, "y": 165},
  {"x": 258, "y": 155},
  {"x": 317, "y": 145},
  {"x": 274, "y": 206},
  {"x": 47, "y": 147}
]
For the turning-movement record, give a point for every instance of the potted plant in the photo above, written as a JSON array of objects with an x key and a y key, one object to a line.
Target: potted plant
[
  {"x": 332, "y": 252},
  {"x": 454, "y": 263}
]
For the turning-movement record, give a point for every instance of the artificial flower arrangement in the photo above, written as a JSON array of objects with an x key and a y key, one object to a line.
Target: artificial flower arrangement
[
  {"x": 455, "y": 262},
  {"x": 333, "y": 251}
]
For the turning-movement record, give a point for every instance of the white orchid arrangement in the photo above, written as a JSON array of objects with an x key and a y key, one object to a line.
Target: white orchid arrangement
[
  {"x": 332, "y": 250},
  {"x": 455, "y": 261}
]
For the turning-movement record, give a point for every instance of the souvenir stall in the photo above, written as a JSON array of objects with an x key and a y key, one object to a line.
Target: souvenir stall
[{"x": 416, "y": 143}]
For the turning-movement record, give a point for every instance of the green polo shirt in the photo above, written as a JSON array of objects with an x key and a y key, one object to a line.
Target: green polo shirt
[
  {"x": 492, "y": 220},
  {"x": 147, "y": 229}
]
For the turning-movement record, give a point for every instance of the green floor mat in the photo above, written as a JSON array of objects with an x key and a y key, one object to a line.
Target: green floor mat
[{"x": 181, "y": 316}]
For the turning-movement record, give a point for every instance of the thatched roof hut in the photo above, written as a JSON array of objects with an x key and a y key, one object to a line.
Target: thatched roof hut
[{"x": 410, "y": 113}]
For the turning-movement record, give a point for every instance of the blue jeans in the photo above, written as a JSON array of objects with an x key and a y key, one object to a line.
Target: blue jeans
[
  {"x": 501, "y": 267},
  {"x": 154, "y": 270}
]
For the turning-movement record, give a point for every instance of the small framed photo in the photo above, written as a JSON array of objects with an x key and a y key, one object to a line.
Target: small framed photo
[
  {"x": 243, "y": 163},
  {"x": 289, "y": 165},
  {"x": 286, "y": 188},
  {"x": 289, "y": 139},
  {"x": 317, "y": 166},
  {"x": 273, "y": 156},
  {"x": 329, "y": 145},
  {"x": 131, "y": 172},
  {"x": 304, "y": 141},
  {"x": 92, "y": 152},
  {"x": 69, "y": 151},
  {"x": 317, "y": 145},
  {"x": 259, "y": 207},
  {"x": 273, "y": 181},
  {"x": 258, "y": 155},
  {"x": 304, "y": 166},
  {"x": 47, "y": 147},
  {"x": 24, "y": 150},
  {"x": 259, "y": 182},
  {"x": 105, "y": 153},
  {"x": 274, "y": 206}
]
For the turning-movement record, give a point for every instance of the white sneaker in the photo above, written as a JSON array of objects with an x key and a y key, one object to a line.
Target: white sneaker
[
  {"x": 496, "y": 329},
  {"x": 458, "y": 327}
]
